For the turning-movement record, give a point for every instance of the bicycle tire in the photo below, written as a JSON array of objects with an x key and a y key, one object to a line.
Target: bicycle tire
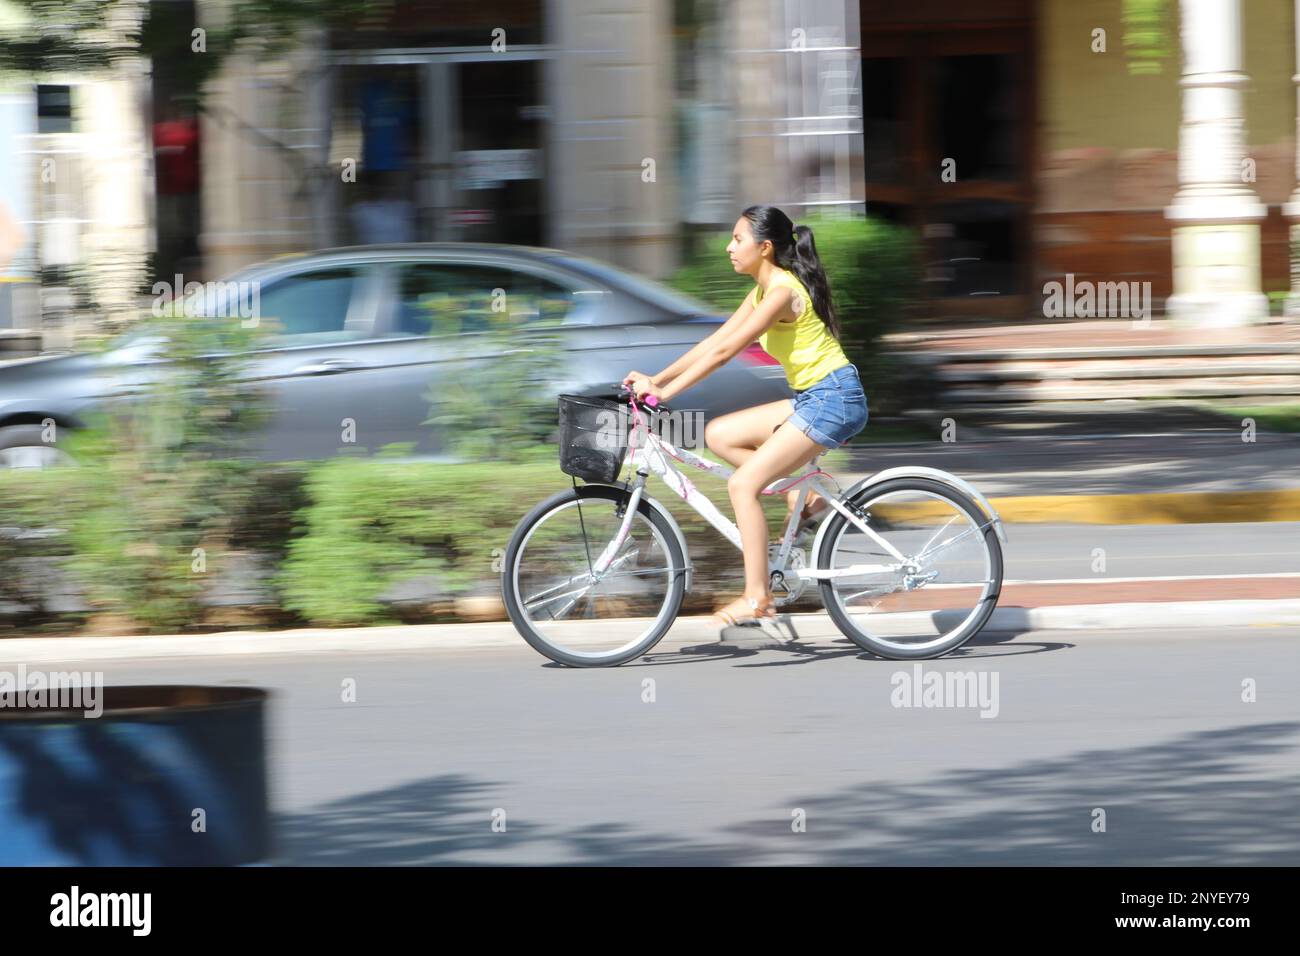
[
  {"x": 970, "y": 628},
  {"x": 513, "y": 601}
]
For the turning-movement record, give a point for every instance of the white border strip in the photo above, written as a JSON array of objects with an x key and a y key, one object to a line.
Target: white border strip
[{"x": 1195, "y": 616}]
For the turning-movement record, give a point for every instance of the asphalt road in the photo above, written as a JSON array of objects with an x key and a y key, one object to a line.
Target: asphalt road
[
  {"x": 1070, "y": 551},
  {"x": 1148, "y": 726}
]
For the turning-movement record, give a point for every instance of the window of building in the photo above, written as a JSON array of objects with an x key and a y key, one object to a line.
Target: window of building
[{"x": 53, "y": 109}]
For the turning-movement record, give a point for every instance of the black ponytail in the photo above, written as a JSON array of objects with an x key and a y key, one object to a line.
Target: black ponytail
[{"x": 795, "y": 250}]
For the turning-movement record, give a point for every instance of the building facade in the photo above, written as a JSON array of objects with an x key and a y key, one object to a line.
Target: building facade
[
  {"x": 1032, "y": 142},
  {"x": 1027, "y": 142}
]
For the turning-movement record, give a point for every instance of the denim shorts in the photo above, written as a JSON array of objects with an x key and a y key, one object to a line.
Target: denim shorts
[{"x": 833, "y": 410}]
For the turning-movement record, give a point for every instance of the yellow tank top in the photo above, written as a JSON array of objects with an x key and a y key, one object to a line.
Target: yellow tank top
[{"x": 804, "y": 346}]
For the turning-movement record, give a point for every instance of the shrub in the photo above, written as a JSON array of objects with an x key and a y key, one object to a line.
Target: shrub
[
  {"x": 505, "y": 410},
  {"x": 161, "y": 477},
  {"x": 371, "y": 524},
  {"x": 33, "y": 541}
]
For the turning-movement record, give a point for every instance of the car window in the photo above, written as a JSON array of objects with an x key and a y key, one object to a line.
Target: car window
[
  {"x": 311, "y": 307},
  {"x": 447, "y": 299},
  {"x": 659, "y": 294}
]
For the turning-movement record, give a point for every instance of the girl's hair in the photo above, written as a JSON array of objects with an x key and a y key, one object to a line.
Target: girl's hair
[{"x": 793, "y": 249}]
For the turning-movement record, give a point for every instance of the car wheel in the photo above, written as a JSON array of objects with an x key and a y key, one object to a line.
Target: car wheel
[{"x": 21, "y": 446}]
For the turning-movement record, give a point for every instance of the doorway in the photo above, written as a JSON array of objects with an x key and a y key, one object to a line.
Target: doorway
[
  {"x": 948, "y": 117},
  {"x": 450, "y": 147}
]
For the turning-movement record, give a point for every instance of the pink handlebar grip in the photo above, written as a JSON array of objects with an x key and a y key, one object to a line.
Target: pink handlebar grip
[{"x": 650, "y": 400}]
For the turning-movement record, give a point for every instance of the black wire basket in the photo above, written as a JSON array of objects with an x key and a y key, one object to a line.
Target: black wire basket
[{"x": 593, "y": 437}]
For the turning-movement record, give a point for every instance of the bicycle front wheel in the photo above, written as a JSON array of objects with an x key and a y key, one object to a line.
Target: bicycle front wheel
[
  {"x": 931, "y": 590},
  {"x": 573, "y": 613}
]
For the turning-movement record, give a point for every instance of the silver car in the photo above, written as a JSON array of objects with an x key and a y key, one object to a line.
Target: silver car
[{"x": 355, "y": 338}]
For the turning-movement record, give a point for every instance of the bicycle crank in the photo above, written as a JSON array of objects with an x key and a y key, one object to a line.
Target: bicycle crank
[{"x": 785, "y": 583}]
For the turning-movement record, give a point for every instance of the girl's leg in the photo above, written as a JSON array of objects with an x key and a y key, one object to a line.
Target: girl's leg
[
  {"x": 811, "y": 503},
  {"x": 737, "y": 435},
  {"x": 777, "y": 457}
]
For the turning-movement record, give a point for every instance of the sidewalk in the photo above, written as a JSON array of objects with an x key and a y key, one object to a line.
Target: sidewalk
[
  {"x": 1141, "y": 475},
  {"x": 1054, "y": 374},
  {"x": 1092, "y": 334},
  {"x": 1025, "y": 607}
]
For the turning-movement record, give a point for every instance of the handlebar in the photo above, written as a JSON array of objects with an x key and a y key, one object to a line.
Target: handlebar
[
  {"x": 651, "y": 401},
  {"x": 618, "y": 392}
]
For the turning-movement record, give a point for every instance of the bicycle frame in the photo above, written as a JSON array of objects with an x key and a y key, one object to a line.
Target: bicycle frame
[{"x": 651, "y": 456}]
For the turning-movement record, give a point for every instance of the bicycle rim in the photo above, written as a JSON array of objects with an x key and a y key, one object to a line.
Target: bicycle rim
[
  {"x": 576, "y": 616},
  {"x": 934, "y": 600}
]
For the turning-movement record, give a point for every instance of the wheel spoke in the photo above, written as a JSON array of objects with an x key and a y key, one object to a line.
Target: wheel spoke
[
  {"x": 578, "y": 617},
  {"x": 560, "y": 597},
  {"x": 941, "y": 530},
  {"x": 536, "y": 597},
  {"x": 931, "y": 603},
  {"x": 881, "y": 590},
  {"x": 632, "y": 574},
  {"x": 946, "y": 544}
]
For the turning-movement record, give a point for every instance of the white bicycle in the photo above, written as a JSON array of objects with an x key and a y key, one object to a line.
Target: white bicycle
[{"x": 908, "y": 561}]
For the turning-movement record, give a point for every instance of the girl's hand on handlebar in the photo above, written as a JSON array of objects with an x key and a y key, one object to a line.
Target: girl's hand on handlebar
[
  {"x": 644, "y": 388},
  {"x": 632, "y": 378}
]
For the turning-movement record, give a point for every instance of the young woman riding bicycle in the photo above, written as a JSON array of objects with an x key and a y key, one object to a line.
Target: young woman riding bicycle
[{"x": 790, "y": 314}]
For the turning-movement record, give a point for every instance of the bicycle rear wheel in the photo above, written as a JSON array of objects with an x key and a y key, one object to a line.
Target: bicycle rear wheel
[
  {"x": 937, "y": 597},
  {"x": 573, "y": 615}
]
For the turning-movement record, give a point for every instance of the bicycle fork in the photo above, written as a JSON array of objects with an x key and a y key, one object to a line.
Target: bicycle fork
[{"x": 602, "y": 563}]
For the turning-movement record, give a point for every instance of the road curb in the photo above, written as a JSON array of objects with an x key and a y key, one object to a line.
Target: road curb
[
  {"x": 1191, "y": 507},
  {"x": 1173, "y": 614},
  {"x": 1116, "y": 618}
]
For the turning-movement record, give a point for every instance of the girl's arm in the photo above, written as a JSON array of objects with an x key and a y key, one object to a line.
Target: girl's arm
[
  {"x": 706, "y": 346},
  {"x": 730, "y": 341}
]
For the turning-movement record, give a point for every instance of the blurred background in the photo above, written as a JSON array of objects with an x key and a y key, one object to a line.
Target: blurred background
[
  {"x": 289, "y": 289},
  {"x": 1019, "y": 140},
  {"x": 1039, "y": 214}
]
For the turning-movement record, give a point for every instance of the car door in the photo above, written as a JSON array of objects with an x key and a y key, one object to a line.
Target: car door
[
  {"x": 317, "y": 366},
  {"x": 436, "y": 323}
]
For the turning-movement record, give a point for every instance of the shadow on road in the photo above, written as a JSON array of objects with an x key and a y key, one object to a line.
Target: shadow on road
[
  {"x": 1198, "y": 799},
  {"x": 744, "y": 642}
]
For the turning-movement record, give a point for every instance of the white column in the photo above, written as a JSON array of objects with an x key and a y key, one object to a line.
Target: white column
[
  {"x": 611, "y": 89},
  {"x": 1215, "y": 214}
]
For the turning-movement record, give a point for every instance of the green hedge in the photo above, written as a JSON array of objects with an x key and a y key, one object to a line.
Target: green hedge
[
  {"x": 338, "y": 534},
  {"x": 369, "y": 525},
  {"x": 33, "y": 530}
]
